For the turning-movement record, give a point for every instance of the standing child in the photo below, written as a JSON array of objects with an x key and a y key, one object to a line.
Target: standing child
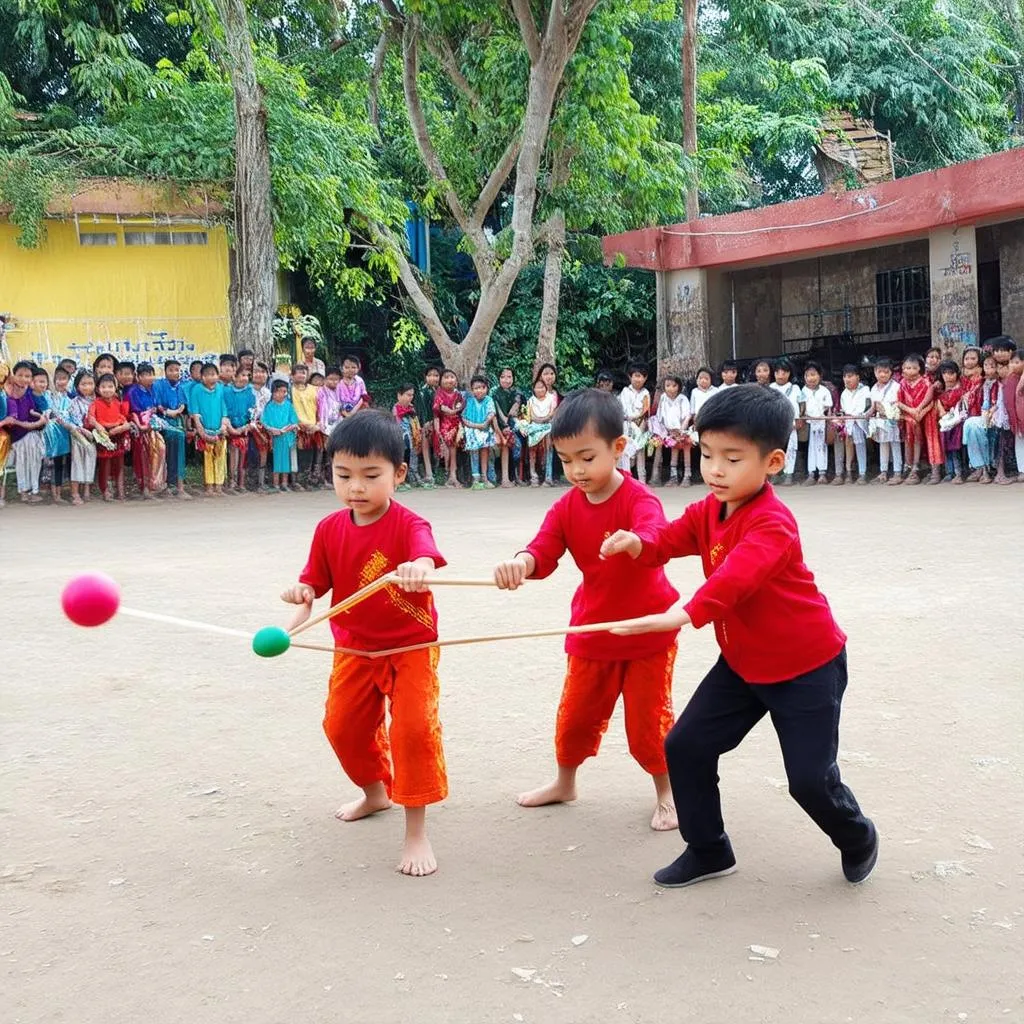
[
  {"x": 915, "y": 400},
  {"x": 480, "y": 422},
  {"x": 108, "y": 416},
  {"x": 149, "y": 451},
  {"x": 261, "y": 441},
  {"x": 635, "y": 400},
  {"x": 604, "y": 500},
  {"x": 1013, "y": 400},
  {"x": 239, "y": 401},
  {"x": 41, "y": 402},
  {"x": 370, "y": 537},
  {"x": 884, "y": 425},
  {"x": 125, "y": 378},
  {"x": 604, "y": 381},
  {"x": 352, "y": 388},
  {"x": 83, "y": 447},
  {"x": 25, "y": 425},
  {"x": 535, "y": 427},
  {"x": 979, "y": 437},
  {"x": 669, "y": 423},
  {"x": 507, "y": 402},
  {"x": 172, "y": 408},
  {"x": 448, "y": 406},
  {"x": 281, "y": 422},
  {"x": 309, "y": 357},
  {"x": 762, "y": 373},
  {"x": 783, "y": 383},
  {"x": 757, "y": 590},
  {"x": 951, "y": 399},
  {"x": 930, "y": 419},
  {"x": 425, "y": 413},
  {"x": 57, "y": 434},
  {"x": 309, "y": 439},
  {"x": 817, "y": 402},
  {"x": 729, "y": 374},
  {"x": 854, "y": 405},
  {"x": 405, "y": 412},
  {"x": 210, "y": 421}
]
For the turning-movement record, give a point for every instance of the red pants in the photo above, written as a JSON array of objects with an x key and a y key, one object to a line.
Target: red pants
[
  {"x": 588, "y": 700},
  {"x": 354, "y": 722},
  {"x": 932, "y": 437}
]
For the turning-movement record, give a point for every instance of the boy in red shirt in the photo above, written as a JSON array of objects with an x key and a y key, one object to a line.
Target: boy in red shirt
[
  {"x": 587, "y": 435},
  {"x": 758, "y": 590},
  {"x": 372, "y": 536}
]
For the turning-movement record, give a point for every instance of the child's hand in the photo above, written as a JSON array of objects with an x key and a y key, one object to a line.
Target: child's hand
[
  {"x": 622, "y": 542},
  {"x": 511, "y": 574},
  {"x": 412, "y": 576},
  {"x": 301, "y": 593},
  {"x": 664, "y": 623}
]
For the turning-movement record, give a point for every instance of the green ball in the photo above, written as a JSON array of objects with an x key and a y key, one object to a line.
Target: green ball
[{"x": 270, "y": 641}]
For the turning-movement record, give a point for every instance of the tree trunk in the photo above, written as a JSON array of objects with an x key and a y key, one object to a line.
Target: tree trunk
[
  {"x": 552, "y": 292},
  {"x": 689, "y": 60},
  {"x": 254, "y": 257}
]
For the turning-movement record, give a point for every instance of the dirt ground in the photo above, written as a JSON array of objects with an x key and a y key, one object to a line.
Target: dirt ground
[{"x": 168, "y": 851}]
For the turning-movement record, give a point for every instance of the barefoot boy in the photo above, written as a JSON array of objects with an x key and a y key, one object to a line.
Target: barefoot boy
[
  {"x": 782, "y": 652},
  {"x": 587, "y": 435},
  {"x": 371, "y": 537}
]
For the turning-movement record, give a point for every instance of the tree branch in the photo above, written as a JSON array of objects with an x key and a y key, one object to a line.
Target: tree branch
[
  {"x": 441, "y": 51},
  {"x": 497, "y": 179},
  {"x": 578, "y": 14},
  {"x": 375, "y": 72},
  {"x": 528, "y": 28}
]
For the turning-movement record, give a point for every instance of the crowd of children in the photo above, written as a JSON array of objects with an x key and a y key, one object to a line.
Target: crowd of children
[{"x": 254, "y": 428}]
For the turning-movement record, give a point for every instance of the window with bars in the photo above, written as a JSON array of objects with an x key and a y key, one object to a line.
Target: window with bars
[
  {"x": 165, "y": 238},
  {"x": 97, "y": 238},
  {"x": 903, "y": 301}
]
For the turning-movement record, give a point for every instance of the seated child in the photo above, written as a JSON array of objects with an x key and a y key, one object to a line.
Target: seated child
[
  {"x": 370, "y": 537},
  {"x": 758, "y": 589},
  {"x": 587, "y": 435}
]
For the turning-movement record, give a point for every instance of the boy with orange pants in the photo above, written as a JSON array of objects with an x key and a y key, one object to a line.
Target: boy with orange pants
[
  {"x": 371, "y": 537},
  {"x": 587, "y": 435}
]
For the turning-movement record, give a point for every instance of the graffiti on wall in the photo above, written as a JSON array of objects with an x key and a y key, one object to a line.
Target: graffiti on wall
[{"x": 959, "y": 262}]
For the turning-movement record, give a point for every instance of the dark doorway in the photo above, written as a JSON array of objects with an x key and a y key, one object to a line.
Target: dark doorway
[{"x": 990, "y": 312}]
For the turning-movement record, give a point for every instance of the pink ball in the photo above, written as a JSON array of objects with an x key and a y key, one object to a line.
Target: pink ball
[{"x": 90, "y": 599}]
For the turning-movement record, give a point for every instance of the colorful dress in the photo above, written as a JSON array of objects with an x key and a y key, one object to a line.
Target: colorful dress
[
  {"x": 5, "y": 438},
  {"x": 83, "y": 448},
  {"x": 279, "y": 415},
  {"x": 328, "y": 409},
  {"x": 107, "y": 414},
  {"x": 948, "y": 399},
  {"x": 634, "y": 404},
  {"x": 533, "y": 431},
  {"x": 351, "y": 393},
  {"x": 478, "y": 411},
  {"x": 449, "y": 424},
  {"x": 915, "y": 394},
  {"x": 670, "y": 419},
  {"x": 410, "y": 424},
  {"x": 930, "y": 426},
  {"x": 55, "y": 434}
]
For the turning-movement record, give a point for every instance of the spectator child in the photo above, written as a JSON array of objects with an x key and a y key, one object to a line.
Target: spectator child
[
  {"x": 425, "y": 412},
  {"x": 109, "y": 417},
  {"x": 125, "y": 378},
  {"x": 729, "y": 374},
  {"x": 949, "y": 398},
  {"x": 328, "y": 403},
  {"x": 405, "y": 412},
  {"x": 604, "y": 381},
  {"x": 25, "y": 424},
  {"x": 83, "y": 447},
  {"x": 194, "y": 378},
  {"x": 149, "y": 450},
  {"x": 282, "y": 424},
  {"x": 884, "y": 425},
  {"x": 508, "y": 401},
  {"x": 448, "y": 406},
  {"x": 309, "y": 440},
  {"x": 1013, "y": 400},
  {"x": 535, "y": 427},
  {"x": 817, "y": 403},
  {"x": 172, "y": 408},
  {"x": 479, "y": 421},
  {"x": 915, "y": 400},
  {"x": 783, "y": 383},
  {"x": 854, "y": 406},
  {"x": 635, "y": 400},
  {"x": 104, "y": 363},
  {"x": 227, "y": 367},
  {"x": 310, "y": 359},
  {"x": 669, "y": 422},
  {"x": 210, "y": 421},
  {"x": 762, "y": 373},
  {"x": 240, "y": 403},
  {"x": 57, "y": 433},
  {"x": 352, "y": 388},
  {"x": 261, "y": 441},
  {"x": 979, "y": 436},
  {"x": 247, "y": 359}
]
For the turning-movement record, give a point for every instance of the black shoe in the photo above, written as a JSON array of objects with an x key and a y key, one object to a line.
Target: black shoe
[
  {"x": 688, "y": 868},
  {"x": 857, "y": 866}
]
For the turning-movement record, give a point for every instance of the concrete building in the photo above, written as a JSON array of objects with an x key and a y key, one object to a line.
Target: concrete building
[{"x": 931, "y": 259}]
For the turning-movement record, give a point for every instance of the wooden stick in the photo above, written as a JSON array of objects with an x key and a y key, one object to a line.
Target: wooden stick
[
  {"x": 361, "y": 595},
  {"x": 594, "y": 627},
  {"x": 172, "y": 620}
]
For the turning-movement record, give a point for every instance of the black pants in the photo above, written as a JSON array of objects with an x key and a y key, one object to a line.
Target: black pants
[
  {"x": 61, "y": 470},
  {"x": 805, "y": 713}
]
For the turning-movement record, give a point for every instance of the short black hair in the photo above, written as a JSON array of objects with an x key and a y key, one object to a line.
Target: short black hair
[
  {"x": 144, "y": 368},
  {"x": 761, "y": 415},
  {"x": 704, "y": 369},
  {"x": 300, "y": 366},
  {"x": 406, "y": 386},
  {"x": 81, "y": 375},
  {"x": 66, "y": 360},
  {"x": 126, "y": 365},
  {"x": 849, "y": 368},
  {"x": 39, "y": 371},
  {"x": 913, "y": 357},
  {"x": 278, "y": 385},
  {"x": 883, "y": 364},
  {"x": 352, "y": 358},
  {"x": 678, "y": 381},
  {"x": 479, "y": 378},
  {"x": 1018, "y": 354},
  {"x": 207, "y": 366},
  {"x": 433, "y": 368},
  {"x": 638, "y": 368},
  {"x": 104, "y": 377},
  {"x": 259, "y": 364},
  {"x": 104, "y": 355},
  {"x": 812, "y": 365},
  {"x": 604, "y": 375},
  {"x": 728, "y": 364},
  {"x": 313, "y": 376},
  {"x": 782, "y": 363},
  {"x": 1002, "y": 343},
  {"x": 61, "y": 368},
  {"x": 949, "y": 366},
  {"x": 170, "y": 362},
  {"x": 195, "y": 362},
  {"x": 246, "y": 352},
  {"x": 368, "y": 432},
  {"x": 336, "y": 370},
  {"x": 24, "y": 364},
  {"x": 934, "y": 348},
  {"x": 228, "y": 358},
  {"x": 588, "y": 408}
]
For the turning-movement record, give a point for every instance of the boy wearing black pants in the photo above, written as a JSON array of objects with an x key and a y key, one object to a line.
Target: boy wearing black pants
[{"x": 782, "y": 652}]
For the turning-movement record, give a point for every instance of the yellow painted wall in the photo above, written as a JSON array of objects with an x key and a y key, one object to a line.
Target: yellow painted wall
[{"x": 141, "y": 302}]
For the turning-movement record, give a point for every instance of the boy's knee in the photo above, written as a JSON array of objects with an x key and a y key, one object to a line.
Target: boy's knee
[
  {"x": 683, "y": 744},
  {"x": 809, "y": 786}
]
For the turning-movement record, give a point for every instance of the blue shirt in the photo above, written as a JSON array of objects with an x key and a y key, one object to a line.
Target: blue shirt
[
  {"x": 168, "y": 395},
  {"x": 209, "y": 406},
  {"x": 240, "y": 402},
  {"x": 140, "y": 399}
]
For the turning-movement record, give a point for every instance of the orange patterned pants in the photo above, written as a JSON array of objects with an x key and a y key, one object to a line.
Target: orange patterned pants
[
  {"x": 406, "y": 753},
  {"x": 588, "y": 699}
]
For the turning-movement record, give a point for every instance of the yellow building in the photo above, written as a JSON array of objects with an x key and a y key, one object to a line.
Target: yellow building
[{"x": 123, "y": 268}]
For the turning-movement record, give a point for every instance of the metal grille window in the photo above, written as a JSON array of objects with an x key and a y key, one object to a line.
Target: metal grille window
[
  {"x": 165, "y": 238},
  {"x": 903, "y": 300},
  {"x": 98, "y": 238}
]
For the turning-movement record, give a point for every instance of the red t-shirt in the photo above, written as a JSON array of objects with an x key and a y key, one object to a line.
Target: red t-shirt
[
  {"x": 344, "y": 558},
  {"x": 771, "y": 621},
  {"x": 614, "y": 588}
]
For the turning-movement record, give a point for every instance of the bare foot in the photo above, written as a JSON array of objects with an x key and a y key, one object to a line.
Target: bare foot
[
  {"x": 362, "y": 808},
  {"x": 664, "y": 818},
  {"x": 417, "y": 857},
  {"x": 559, "y": 792}
]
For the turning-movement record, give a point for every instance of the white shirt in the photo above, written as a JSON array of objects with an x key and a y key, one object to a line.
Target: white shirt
[
  {"x": 792, "y": 392},
  {"x": 673, "y": 411},
  {"x": 816, "y": 401},
  {"x": 855, "y": 403},
  {"x": 633, "y": 402},
  {"x": 888, "y": 395},
  {"x": 698, "y": 398},
  {"x": 542, "y": 407}
]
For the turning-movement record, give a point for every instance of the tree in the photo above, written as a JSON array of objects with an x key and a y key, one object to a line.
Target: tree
[{"x": 688, "y": 60}]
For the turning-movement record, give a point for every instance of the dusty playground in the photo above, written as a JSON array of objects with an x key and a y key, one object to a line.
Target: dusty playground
[{"x": 169, "y": 852}]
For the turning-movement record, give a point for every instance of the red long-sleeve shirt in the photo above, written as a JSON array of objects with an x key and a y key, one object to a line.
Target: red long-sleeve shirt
[
  {"x": 613, "y": 588},
  {"x": 771, "y": 621}
]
